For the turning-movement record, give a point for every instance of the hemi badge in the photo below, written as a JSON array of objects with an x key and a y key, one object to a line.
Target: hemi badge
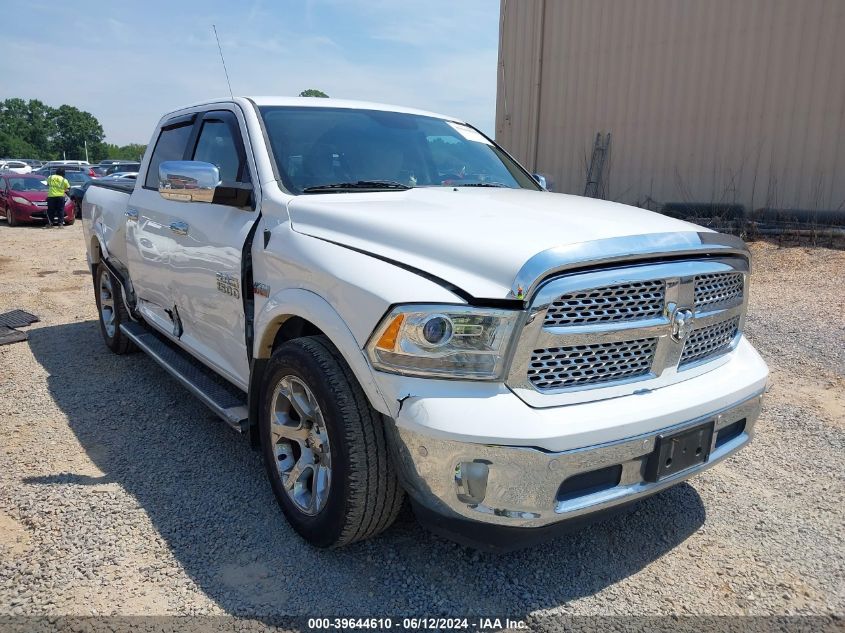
[{"x": 261, "y": 289}]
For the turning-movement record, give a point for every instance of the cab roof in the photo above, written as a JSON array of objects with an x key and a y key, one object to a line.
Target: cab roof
[{"x": 318, "y": 102}]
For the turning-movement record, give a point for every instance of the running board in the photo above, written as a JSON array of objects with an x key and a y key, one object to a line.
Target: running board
[{"x": 224, "y": 399}]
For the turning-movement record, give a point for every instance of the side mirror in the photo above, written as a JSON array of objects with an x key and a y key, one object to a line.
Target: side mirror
[
  {"x": 187, "y": 180},
  {"x": 541, "y": 180},
  {"x": 197, "y": 181}
]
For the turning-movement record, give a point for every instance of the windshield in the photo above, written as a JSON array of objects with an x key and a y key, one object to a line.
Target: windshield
[
  {"x": 316, "y": 147},
  {"x": 27, "y": 184}
]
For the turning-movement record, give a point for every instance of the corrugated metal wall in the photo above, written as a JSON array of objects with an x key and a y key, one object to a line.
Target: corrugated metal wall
[{"x": 707, "y": 100}]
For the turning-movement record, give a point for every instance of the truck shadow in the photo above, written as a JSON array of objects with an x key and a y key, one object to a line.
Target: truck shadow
[{"x": 204, "y": 490}]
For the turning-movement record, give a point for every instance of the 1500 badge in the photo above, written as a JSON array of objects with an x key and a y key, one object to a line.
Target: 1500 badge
[{"x": 229, "y": 285}]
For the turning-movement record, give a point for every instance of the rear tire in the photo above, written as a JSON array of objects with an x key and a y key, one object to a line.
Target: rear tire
[
  {"x": 111, "y": 310},
  {"x": 324, "y": 447}
]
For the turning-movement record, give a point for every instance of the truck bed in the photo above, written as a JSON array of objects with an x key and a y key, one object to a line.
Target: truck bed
[{"x": 104, "y": 216}]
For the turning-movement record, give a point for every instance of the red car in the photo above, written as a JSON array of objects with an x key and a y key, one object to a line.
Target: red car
[{"x": 23, "y": 198}]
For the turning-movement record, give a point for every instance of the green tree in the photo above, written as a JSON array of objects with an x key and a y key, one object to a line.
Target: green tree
[
  {"x": 133, "y": 151},
  {"x": 32, "y": 129},
  {"x": 14, "y": 147},
  {"x": 73, "y": 129},
  {"x": 313, "y": 92},
  {"x": 26, "y": 128},
  {"x": 41, "y": 125}
]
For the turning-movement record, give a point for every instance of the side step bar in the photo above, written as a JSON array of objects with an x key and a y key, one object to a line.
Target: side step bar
[{"x": 224, "y": 399}]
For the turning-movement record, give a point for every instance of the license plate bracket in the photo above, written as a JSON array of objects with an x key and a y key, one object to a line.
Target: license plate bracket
[{"x": 678, "y": 451}]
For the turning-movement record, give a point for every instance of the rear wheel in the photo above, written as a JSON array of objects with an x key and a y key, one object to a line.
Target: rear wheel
[
  {"x": 112, "y": 311},
  {"x": 324, "y": 447}
]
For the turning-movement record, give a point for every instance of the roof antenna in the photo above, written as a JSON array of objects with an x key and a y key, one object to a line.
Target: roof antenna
[{"x": 228, "y": 83}]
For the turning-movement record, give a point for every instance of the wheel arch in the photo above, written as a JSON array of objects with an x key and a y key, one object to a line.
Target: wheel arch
[
  {"x": 95, "y": 251},
  {"x": 293, "y": 313}
]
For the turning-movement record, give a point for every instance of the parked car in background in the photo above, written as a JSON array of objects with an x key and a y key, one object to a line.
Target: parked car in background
[
  {"x": 64, "y": 163},
  {"x": 23, "y": 199},
  {"x": 77, "y": 191},
  {"x": 33, "y": 162},
  {"x": 123, "y": 166},
  {"x": 80, "y": 165},
  {"x": 76, "y": 178},
  {"x": 75, "y": 174},
  {"x": 16, "y": 166},
  {"x": 99, "y": 170}
]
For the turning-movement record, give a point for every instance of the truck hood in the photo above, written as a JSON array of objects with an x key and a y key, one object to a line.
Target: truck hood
[{"x": 474, "y": 238}]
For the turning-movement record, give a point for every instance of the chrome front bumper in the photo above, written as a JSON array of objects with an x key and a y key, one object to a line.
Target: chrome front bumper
[{"x": 519, "y": 487}]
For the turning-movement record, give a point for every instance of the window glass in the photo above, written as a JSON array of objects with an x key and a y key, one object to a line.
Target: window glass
[
  {"x": 170, "y": 146},
  {"x": 321, "y": 146},
  {"x": 27, "y": 184},
  {"x": 217, "y": 146}
]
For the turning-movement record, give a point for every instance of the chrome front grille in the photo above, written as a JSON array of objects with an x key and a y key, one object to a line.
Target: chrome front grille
[
  {"x": 556, "y": 367},
  {"x": 717, "y": 288},
  {"x": 612, "y": 331},
  {"x": 620, "y": 302},
  {"x": 708, "y": 341}
]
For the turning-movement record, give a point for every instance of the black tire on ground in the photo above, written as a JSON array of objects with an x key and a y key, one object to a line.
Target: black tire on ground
[
  {"x": 364, "y": 495},
  {"x": 115, "y": 340},
  {"x": 10, "y": 217}
]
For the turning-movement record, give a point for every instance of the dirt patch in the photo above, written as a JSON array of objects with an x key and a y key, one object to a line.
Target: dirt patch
[{"x": 16, "y": 539}]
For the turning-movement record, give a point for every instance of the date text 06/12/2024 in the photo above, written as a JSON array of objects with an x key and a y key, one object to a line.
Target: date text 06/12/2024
[{"x": 421, "y": 623}]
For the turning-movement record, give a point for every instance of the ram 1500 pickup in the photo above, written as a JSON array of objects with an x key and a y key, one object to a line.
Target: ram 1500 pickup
[{"x": 390, "y": 305}]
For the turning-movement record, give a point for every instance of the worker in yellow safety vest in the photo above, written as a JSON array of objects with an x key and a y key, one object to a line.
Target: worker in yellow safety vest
[{"x": 57, "y": 186}]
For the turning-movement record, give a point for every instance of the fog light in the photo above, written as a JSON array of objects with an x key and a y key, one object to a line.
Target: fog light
[{"x": 471, "y": 481}]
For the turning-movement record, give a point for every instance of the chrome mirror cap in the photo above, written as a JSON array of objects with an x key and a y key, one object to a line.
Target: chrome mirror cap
[{"x": 188, "y": 180}]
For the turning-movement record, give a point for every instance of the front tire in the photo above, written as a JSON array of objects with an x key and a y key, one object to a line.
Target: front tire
[
  {"x": 324, "y": 447},
  {"x": 10, "y": 217},
  {"x": 111, "y": 310}
]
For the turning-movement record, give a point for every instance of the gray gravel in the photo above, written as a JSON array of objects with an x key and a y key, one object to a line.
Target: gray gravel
[{"x": 121, "y": 494}]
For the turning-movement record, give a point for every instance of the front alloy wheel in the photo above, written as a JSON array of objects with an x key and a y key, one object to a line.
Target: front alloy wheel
[
  {"x": 301, "y": 445},
  {"x": 325, "y": 448}
]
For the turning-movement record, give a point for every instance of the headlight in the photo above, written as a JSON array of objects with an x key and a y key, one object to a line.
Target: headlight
[
  {"x": 443, "y": 341},
  {"x": 20, "y": 200}
]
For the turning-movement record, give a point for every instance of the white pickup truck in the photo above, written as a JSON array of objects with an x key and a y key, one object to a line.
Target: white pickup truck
[{"x": 388, "y": 303}]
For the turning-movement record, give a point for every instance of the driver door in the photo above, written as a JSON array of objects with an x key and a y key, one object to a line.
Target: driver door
[{"x": 204, "y": 266}]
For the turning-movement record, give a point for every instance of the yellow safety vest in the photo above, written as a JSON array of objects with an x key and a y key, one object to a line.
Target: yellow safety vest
[{"x": 56, "y": 186}]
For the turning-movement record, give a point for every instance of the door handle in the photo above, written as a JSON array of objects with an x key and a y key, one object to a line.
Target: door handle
[
  {"x": 132, "y": 214},
  {"x": 180, "y": 228}
]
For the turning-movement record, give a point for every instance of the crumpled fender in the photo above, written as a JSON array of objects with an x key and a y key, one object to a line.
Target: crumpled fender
[{"x": 315, "y": 309}]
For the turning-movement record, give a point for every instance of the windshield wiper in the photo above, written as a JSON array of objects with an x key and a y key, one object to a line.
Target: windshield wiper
[
  {"x": 384, "y": 185},
  {"x": 480, "y": 184}
]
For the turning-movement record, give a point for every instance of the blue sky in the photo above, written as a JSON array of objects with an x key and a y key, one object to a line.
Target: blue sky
[{"x": 129, "y": 62}]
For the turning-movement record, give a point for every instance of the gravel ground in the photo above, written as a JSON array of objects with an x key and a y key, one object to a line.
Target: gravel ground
[{"x": 121, "y": 494}]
